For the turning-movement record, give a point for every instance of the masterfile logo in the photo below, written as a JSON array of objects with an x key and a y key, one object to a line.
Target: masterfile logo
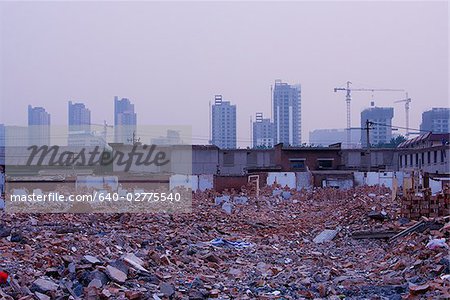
[
  {"x": 80, "y": 172},
  {"x": 146, "y": 155}
]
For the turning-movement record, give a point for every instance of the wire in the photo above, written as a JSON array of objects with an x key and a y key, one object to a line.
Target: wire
[{"x": 399, "y": 127}]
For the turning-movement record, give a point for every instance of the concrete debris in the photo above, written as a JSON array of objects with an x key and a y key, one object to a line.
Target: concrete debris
[
  {"x": 95, "y": 283},
  {"x": 43, "y": 285},
  {"x": 91, "y": 259},
  {"x": 135, "y": 262},
  {"x": 326, "y": 236},
  {"x": 227, "y": 207},
  {"x": 167, "y": 289},
  {"x": 323, "y": 245},
  {"x": 221, "y": 199},
  {"x": 277, "y": 192},
  {"x": 115, "y": 274},
  {"x": 286, "y": 195},
  {"x": 240, "y": 200},
  {"x": 41, "y": 296}
]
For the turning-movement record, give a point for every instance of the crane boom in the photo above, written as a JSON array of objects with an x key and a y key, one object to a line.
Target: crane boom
[{"x": 348, "y": 99}]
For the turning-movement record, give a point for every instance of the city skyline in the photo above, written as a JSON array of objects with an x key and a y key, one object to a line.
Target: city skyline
[
  {"x": 112, "y": 56},
  {"x": 79, "y": 114}
]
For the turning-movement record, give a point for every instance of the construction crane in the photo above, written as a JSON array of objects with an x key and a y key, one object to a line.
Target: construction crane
[
  {"x": 105, "y": 128},
  {"x": 407, "y": 101},
  {"x": 348, "y": 99}
]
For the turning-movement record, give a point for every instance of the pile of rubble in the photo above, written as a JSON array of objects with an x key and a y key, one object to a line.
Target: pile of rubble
[
  {"x": 423, "y": 203},
  {"x": 285, "y": 244}
]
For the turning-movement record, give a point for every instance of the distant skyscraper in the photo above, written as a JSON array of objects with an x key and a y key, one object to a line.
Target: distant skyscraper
[
  {"x": 125, "y": 120},
  {"x": 38, "y": 116},
  {"x": 436, "y": 120},
  {"x": 39, "y": 126},
  {"x": 80, "y": 125},
  {"x": 223, "y": 124},
  {"x": 79, "y": 116},
  {"x": 263, "y": 132},
  {"x": 287, "y": 113},
  {"x": 377, "y": 133}
]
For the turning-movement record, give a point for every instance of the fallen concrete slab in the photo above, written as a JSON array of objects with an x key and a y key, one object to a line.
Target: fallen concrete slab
[{"x": 326, "y": 235}]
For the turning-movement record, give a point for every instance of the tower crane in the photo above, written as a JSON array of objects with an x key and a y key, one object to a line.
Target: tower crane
[
  {"x": 105, "y": 128},
  {"x": 348, "y": 99},
  {"x": 407, "y": 101}
]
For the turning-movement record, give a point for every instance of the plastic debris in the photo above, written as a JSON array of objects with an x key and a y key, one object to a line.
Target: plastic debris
[
  {"x": 218, "y": 242},
  {"x": 437, "y": 243}
]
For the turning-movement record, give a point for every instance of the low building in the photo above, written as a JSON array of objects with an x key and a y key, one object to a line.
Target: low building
[
  {"x": 428, "y": 152},
  {"x": 300, "y": 159}
]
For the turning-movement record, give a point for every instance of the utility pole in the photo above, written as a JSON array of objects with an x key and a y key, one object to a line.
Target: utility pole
[{"x": 368, "y": 124}]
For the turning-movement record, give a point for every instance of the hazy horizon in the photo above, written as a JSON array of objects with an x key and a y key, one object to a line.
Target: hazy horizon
[{"x": 170, "y": 59}]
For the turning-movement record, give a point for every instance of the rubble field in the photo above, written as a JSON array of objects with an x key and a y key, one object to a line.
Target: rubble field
[{"x": 287, "y": 244}]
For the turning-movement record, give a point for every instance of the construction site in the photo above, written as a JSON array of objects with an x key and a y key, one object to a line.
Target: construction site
[
  {"x": 189, "y": 150},
  {"x": 264, "y": 239}
]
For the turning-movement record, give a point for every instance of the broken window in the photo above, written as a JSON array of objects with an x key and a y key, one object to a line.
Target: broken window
[
  {"x": 228, "y": 158},
  {"x": 325, "y": 163},
  {"x": 298, "y": 163}
]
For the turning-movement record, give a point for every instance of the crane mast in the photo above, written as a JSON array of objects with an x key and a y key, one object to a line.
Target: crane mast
[
  {"x": 348, "y": 99},
  {"x": 407, "y": 101}
]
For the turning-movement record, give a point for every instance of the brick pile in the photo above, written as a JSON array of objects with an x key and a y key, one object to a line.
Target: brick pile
[{"x": 424, "y": 204}]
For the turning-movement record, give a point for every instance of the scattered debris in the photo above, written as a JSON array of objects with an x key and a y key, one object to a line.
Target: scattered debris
[
  {"x": 91, "y": 259},
  {"x": 218, "y": 242},
  {"x": 227, "y": 207},
  {"x": 437, "y": 243},
  {"x": 326, "y": 236},
  {"x": 317, "y": 243},
  {"x": 115, "y": 274},
  {"x": 167, "y": 289},
  {"x": 43, "y": 285},
  {"x": 373, "y": 234},
  {"x": 378, "y": 215}
]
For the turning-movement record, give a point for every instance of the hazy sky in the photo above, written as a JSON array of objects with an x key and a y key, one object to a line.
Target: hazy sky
[{"x": 171, "y": 58}]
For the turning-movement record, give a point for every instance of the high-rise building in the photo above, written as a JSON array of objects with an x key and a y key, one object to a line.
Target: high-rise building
[
  {"x": 223, "y": 123},
  {"x": 79, "y": 116},
  {"x": 262, "y": 132},
  {"x": 326, "y": 137},
  {"x": 125, "y": 121},
  {"x": 381, "y": 130},
  {"x": 79, "y": 125},
  {"x": 436, "y": 120},
  {"x": 38, "y": 126},
  {"x": 287, "y": 113},
  {"x": 38, "y": 116}
]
